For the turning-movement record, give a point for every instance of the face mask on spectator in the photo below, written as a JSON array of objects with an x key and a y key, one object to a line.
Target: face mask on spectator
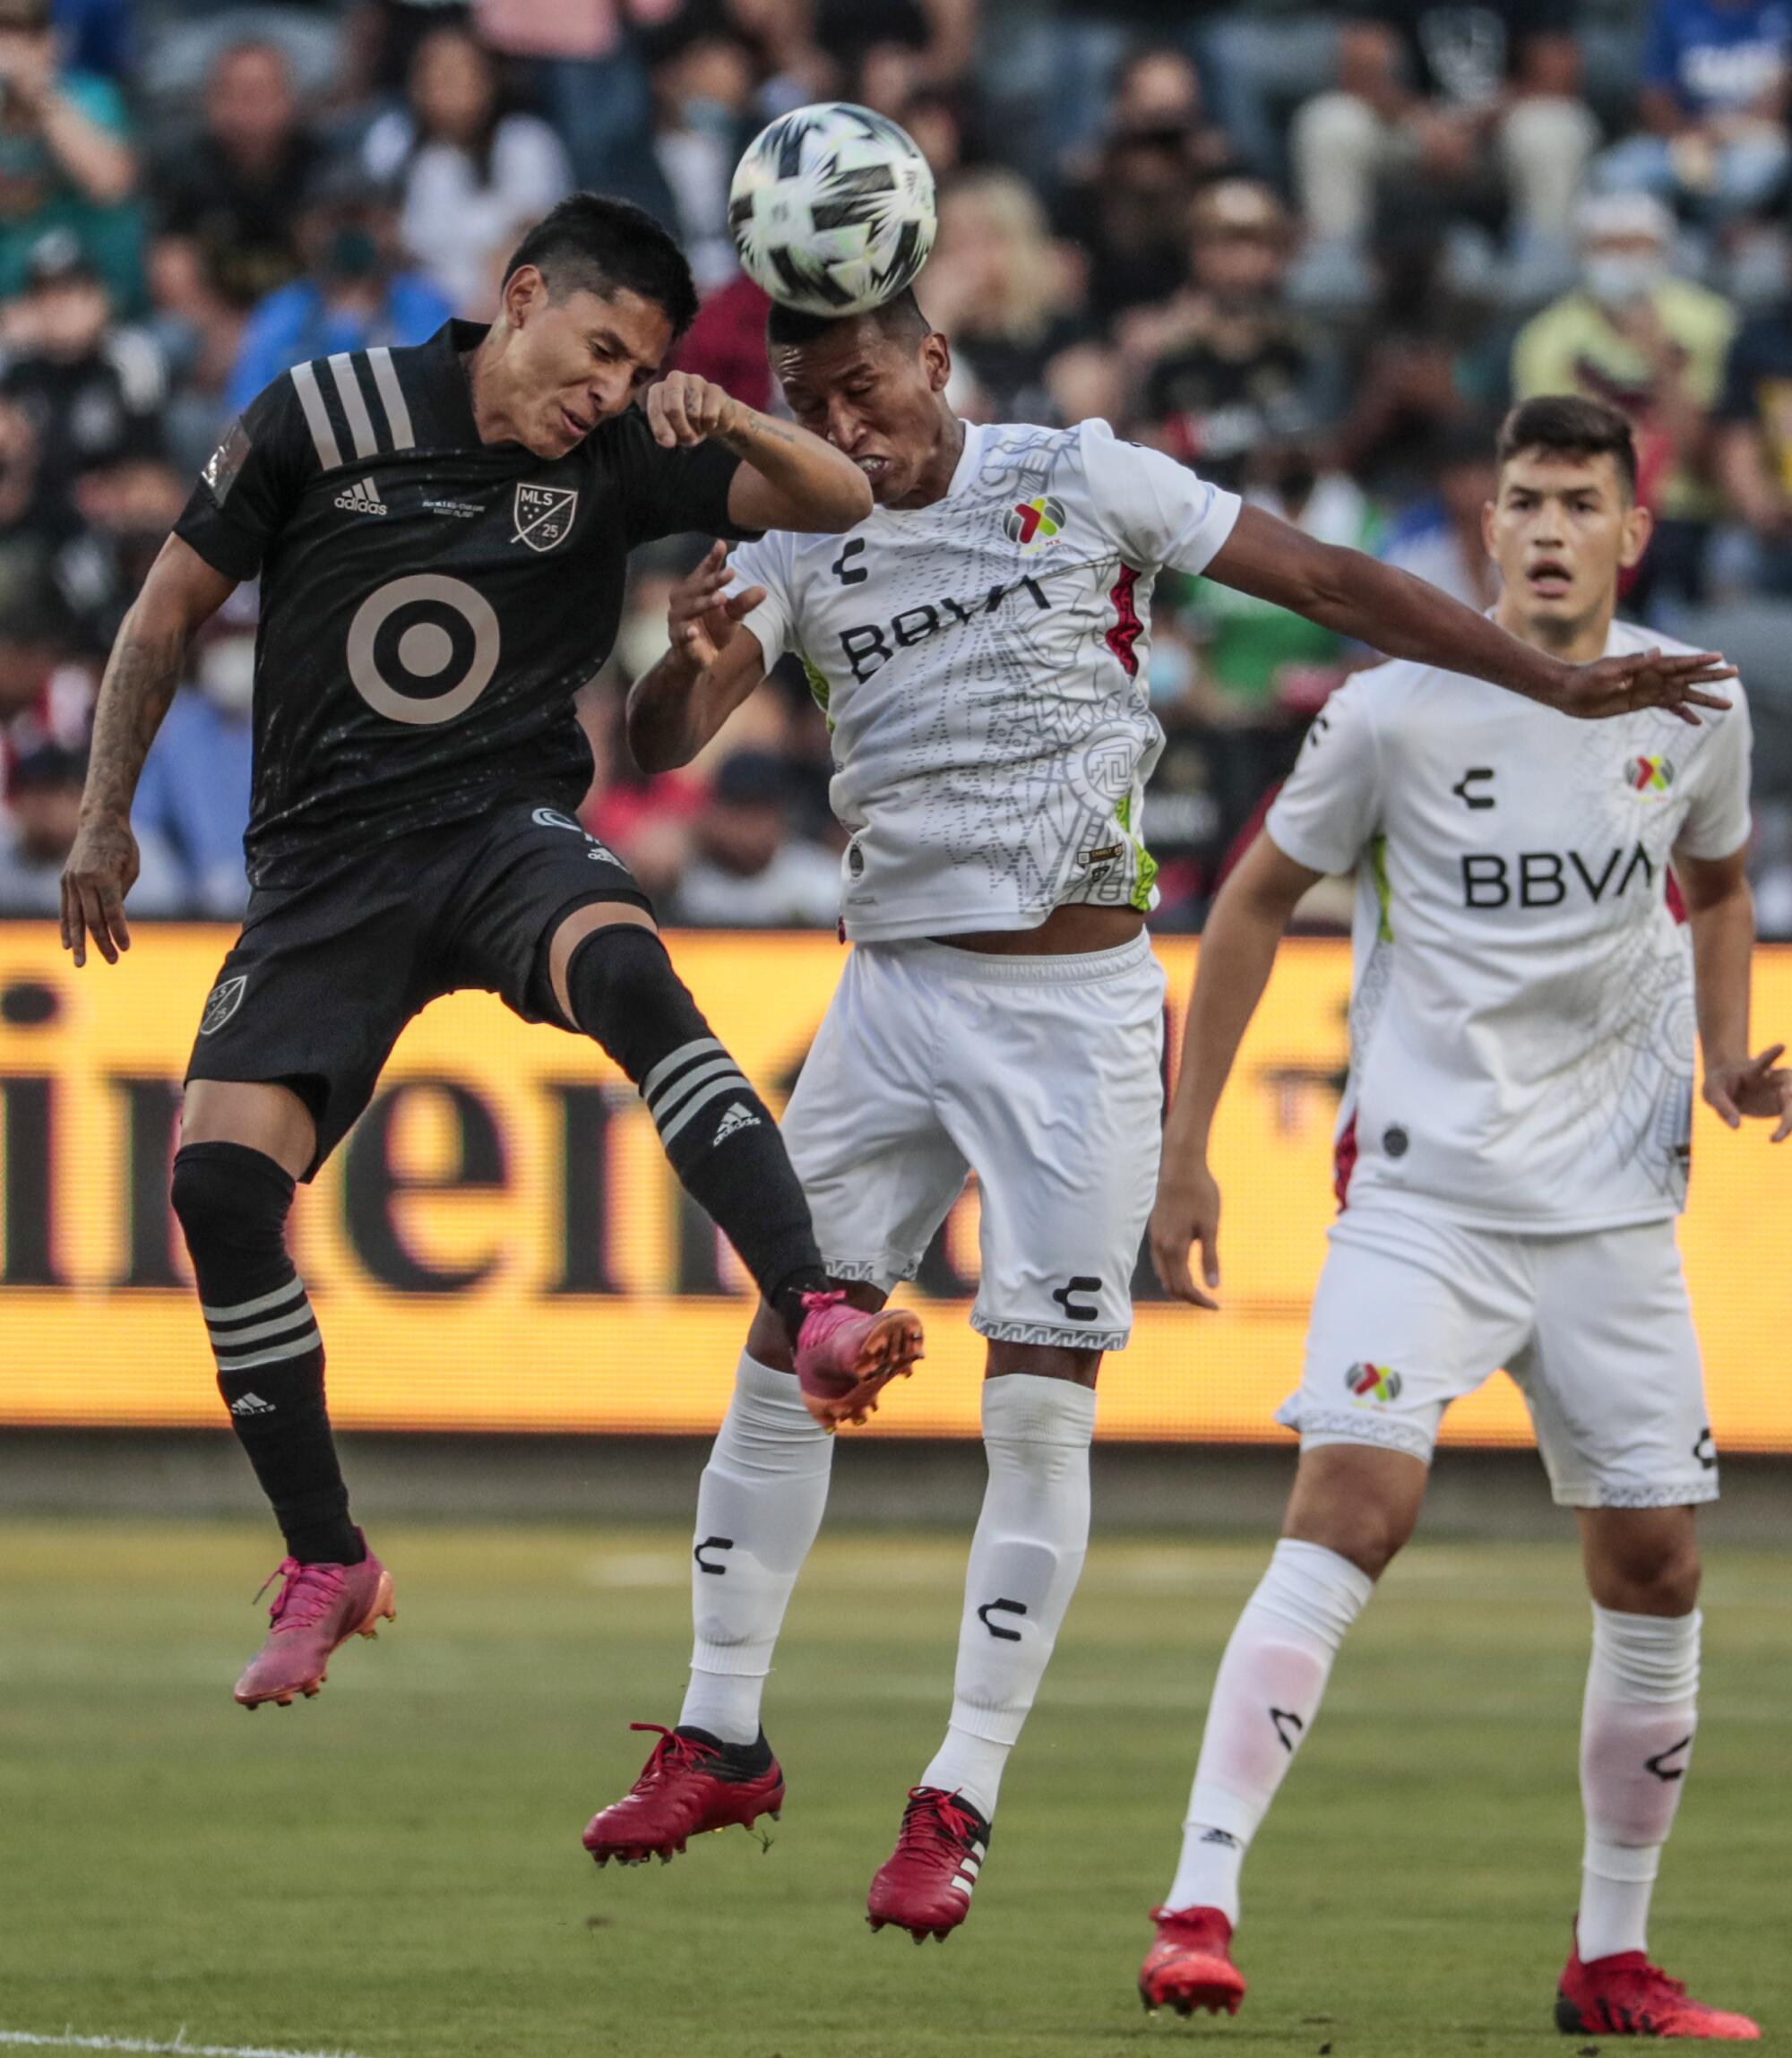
[
  {"x": 353, "y": 253},
  {"x": 227, "y": 674},
  {"x": 1620, "y": 278}
]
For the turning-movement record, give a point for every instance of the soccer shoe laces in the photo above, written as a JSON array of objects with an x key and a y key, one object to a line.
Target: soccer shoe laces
[
  {"x": 308, "y": 1595},
  {"x": 670, "y": 1756},
  {"x": 934, "y": 1827}
]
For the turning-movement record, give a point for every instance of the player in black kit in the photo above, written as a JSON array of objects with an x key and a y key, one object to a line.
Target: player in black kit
[{"x": 440, "y": 534}]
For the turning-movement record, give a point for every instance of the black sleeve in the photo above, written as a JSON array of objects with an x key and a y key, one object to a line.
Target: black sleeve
[
  {"x": 673, "y": 492},
  {"x": 250, "y": 484}
]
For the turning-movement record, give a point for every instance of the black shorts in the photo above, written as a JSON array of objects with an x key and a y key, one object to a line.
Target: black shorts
[{"x": 325, "y": 975}]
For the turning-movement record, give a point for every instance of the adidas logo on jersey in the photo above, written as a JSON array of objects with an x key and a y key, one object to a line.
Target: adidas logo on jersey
[
  {"x": 251, "y": 1404},
  {"x": 739, "y": 1116},
  {"x": 361, "y": 498}
]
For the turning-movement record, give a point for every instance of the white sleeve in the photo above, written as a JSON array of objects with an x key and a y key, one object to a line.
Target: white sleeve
[
  {"x": 1718, "y": 821},
  {"x": 1158, "y": 512},
  {"x": 1332, "y": 804},
  {"x": 768, "y": 562}
]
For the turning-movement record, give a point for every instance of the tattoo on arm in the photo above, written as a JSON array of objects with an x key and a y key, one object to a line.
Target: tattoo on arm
[
  {"x": 139, "y": 681},
  {"x": 757, "y": 429}
]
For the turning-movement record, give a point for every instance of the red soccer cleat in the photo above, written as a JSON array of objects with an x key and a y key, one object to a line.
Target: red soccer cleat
[
  {"x": 846, "y": 1356},
  {"x": 1624, "y": 1995},
  {"x": 318, "y": 1608},
  {"x": 1190, "y": 1966},
  {"x": 924, "y": 1885},
  {"x": 692, "y": 1782}
]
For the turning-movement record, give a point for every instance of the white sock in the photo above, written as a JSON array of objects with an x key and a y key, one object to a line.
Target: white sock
[
  {"x": 1265, "y": 1696},
  {"x": 758, "y": 1509},
  {"x": 1636, "y": 1736},
  {"x": 1025, "y": 1561}
]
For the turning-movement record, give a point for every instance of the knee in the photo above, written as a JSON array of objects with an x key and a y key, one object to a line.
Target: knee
[
  {"x": 1368, "y": 1531},
  {"x": 1656, "y": 1575},
  {"x": 625, "y": 994},
  {"x": 229, "y": 1197}
]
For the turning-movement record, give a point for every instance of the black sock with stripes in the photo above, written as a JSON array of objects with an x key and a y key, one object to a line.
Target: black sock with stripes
[
  {"x": 233, "y": 1203},
  {"x": 716, "y": 1130}
]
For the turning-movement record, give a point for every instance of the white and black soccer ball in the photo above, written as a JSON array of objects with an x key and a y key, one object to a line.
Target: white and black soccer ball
[{"x": 833, "y": 209}]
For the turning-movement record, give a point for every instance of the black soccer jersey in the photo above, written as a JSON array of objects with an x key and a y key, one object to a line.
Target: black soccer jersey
[{"x": 430, "y": 603}]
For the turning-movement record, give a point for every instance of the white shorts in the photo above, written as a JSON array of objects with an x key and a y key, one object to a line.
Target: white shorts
[
  {"x": 1043, "y": 1075},
  {"x": 1412, "y": 1311}
]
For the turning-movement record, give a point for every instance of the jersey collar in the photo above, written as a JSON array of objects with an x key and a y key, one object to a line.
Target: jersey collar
[
  {"x": 968, "y": 458},
  {"x": 446, "y": 377}
]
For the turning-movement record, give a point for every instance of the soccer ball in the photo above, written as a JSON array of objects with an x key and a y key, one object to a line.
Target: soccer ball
[{"x": 832, "y": 209}]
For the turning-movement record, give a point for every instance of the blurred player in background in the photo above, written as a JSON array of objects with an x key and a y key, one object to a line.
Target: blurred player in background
[
  {"x": 981, "y": 647},
  {"x": 440, "y": 534},
  {"x": 1513, "y": 1150}
]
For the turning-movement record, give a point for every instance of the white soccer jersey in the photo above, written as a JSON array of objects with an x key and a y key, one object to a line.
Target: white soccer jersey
[
  {"x": 1521, "y": 1024},
  {"x": 982, "y": 665}
]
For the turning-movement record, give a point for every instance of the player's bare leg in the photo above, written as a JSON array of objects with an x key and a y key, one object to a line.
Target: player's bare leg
[
  {"x": 1637, "y": 1726},
  {"x": 1352, "y": 1509},
  {"x": 242, "y": 1146},
  {"x": 759, "y": 1507},
  {"x": 1038, "y": 1419}
]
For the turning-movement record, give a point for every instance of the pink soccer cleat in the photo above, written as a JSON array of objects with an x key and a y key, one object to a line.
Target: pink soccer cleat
[
  {"x": 846, "y": 1356},
  {"x": 1190, "y": 1965},
  {"x": 1624, "y": 1995},
  {"x": 317, "y": 1608}
]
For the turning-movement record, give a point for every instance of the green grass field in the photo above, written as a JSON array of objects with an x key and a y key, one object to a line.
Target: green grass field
[{"x": 394, "y": 1868}]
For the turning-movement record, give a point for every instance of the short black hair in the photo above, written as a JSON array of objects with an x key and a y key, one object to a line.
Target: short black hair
[
  {"x": 593, "y": 244},
  {"x": 1568, "y": 425},
  {"x": 900, "y": 319}
]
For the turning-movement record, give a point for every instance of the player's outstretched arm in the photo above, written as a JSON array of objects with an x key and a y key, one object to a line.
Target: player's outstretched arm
[
  {"x": 1402, "y": 616},
  {"x": 1720, "y": 914},
  {"x": 147, "y": 659},
  {"x": 787, "y": 478},
  {"x": 676, "y": 706},
  {"x": 1237, "y": 950}
]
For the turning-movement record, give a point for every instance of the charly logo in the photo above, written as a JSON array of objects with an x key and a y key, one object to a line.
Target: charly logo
[
  {"x": 544, "y": 514},
  {"x": 1035, "y": 524},
  {"x": 449, "y": 619},
  {"x": 223, "y": 1000},
  {"x": 1649, "y": 775},
  {"x": 1371, "y": 1382}
]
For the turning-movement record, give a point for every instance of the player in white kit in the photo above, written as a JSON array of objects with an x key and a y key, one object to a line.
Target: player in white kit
[
  {"x": 980, "y": 645},
  {"x": 1513, "y": 1150}
]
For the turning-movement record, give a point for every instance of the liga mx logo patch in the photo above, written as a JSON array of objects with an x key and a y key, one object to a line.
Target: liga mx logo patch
[
  {"x": 544, "y": 514},
  {"x": 1648, "y": 775},
  {"x": 223, "y": 1000},
  {"x": 1035, "y": 524},
  {"x": 1369, "y": 1382}
]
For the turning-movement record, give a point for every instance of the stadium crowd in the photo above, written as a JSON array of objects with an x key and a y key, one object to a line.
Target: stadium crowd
[{"x": 1313, "y": 251}]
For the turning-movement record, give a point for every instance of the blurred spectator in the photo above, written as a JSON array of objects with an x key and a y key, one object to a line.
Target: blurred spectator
[
  {"x": 1457, "y": 107},
  {"x": 1232, "y": 369},
  {"x": 45, "y": 697},
  {"x": 92, "y": 393},
  {"x": 727, "y": 342},
  {"x": 1439, "y": 538},
  {"x": 1128, "y": 208},
  {"x": 1002, "y": 290},
  {"x": 64, "y": 160},
  {"x": 96, "y": 35},
  {"x": 127, "y": 506},
  {"x": 702, "y": 90},
  {"x": 37, "y": 523},
  {"x": 194, "y": 797},
  {"x": 37, "y": 834},
  {"x": 353, "y": 293},
  {"x": 592, "y": 84},
  {"x": 1753, "y": 454},
  {"x": 226, "y": 199},
  {"x": 1712, "y": 107},
  {"x": 473, "y": 173},
  {"x": 1652, "y": 344},
  {"x": 745, "y": 870}
]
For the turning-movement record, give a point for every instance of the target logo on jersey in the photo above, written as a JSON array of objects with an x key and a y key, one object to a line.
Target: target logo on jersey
[{"x": 1035, "y": 524}]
